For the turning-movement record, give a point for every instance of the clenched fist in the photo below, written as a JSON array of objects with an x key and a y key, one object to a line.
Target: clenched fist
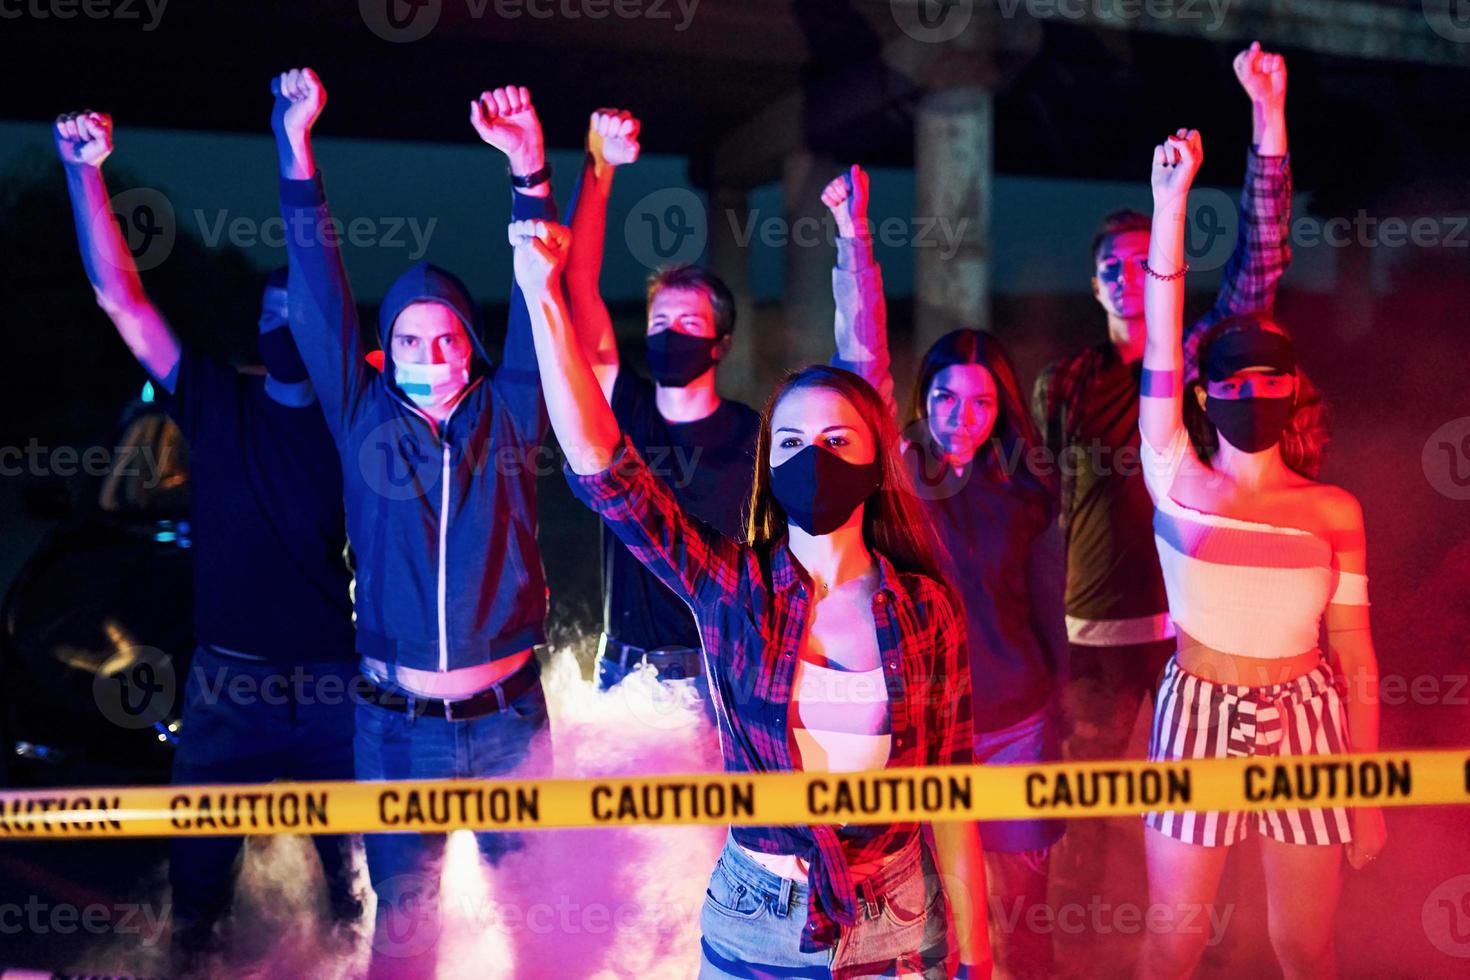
[
  {"x": 612, "y": 138},
  {"x": 1176, "y": 161},
  {"x": 506, "y": 119},
  {"x": 300, "y": 98},
  {"x": 83, "y": 139},
  {"x": 1262, "y": 75},
  {"x": 540, "y": 254},
  {"x": 847, "y": 198}
]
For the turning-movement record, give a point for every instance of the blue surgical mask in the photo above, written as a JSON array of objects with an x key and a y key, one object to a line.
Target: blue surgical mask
[{"x": 427, "y": 385}]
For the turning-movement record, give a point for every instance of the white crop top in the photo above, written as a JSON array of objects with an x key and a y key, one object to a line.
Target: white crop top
[
  {"x": 838, "y": 722},
  {"x": 1241, "y": 587}
]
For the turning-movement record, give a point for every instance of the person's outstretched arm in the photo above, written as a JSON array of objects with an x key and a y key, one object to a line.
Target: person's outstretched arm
[
  {"x": 958, "y": 851},
  {"x": 1263, "y": 243},
  {"x": 1350, "y": 652},
  {"x": 612, "y": 141},
  {"x": 695, "y": 561},
  {"x": 857, "y": 288},
  {"x": 84, "y": 141},
  {"x": 1160, "y": 418},
  {"x": 323, "y": 316},
  {"x": 506, "y": 119}
]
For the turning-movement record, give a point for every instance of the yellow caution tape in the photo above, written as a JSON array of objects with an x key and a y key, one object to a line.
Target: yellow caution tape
[{"x": 885, "y": 796}]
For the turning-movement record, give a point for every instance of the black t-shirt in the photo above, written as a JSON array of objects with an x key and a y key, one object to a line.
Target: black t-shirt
[
  {"x": 270, "y": 577},
  {"x": 709, "y": 464}
]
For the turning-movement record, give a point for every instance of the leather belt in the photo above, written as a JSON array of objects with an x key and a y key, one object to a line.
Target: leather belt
[{"x": 493, "y": 699}]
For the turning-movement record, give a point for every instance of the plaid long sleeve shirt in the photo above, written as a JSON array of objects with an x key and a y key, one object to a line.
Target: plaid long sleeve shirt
[
  {"x": 1248, "y": 284},
  {"x": 752, "y": 607}
]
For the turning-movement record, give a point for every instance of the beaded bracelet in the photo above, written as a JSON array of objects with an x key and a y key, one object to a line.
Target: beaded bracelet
[{"x": 1163, "y": 278}]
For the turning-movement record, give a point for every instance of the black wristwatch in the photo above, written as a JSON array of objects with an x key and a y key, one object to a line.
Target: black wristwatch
[{"x": 531, "y": 179}]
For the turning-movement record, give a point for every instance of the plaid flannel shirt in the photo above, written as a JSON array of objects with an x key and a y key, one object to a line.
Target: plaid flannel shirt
[
  {"x": 752, "y": 607},
  {"x": 1260, "y": 257}
]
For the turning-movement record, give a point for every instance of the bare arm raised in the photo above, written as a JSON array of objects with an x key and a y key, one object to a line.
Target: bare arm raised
[{"x": 84, "y": 142}]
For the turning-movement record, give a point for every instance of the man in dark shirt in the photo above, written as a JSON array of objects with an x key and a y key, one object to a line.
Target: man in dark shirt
[
  {"x": 701, "y": 445},
  {"x": 1086, "y": 406},
  {"x": 268, "y": 695}
]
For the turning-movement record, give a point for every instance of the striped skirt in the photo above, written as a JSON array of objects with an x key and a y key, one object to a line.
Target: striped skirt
[{"x": 1198, "y": 719}]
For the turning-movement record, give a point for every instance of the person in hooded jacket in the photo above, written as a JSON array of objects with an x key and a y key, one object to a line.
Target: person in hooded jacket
[
  {"x": 438, "y": 447},
  {"x": 266, "y": 695}
]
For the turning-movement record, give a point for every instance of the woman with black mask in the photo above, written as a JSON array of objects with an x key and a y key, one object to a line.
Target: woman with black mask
[
  {"x": 1255, "y": 555},
  {"x": 830, "y": 644},
  {"x": 968, "y": 450}
]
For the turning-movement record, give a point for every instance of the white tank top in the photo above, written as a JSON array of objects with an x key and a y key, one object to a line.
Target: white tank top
[
  {"x": 1241, "y": 587},
  {"x": 838, "y": 722}
]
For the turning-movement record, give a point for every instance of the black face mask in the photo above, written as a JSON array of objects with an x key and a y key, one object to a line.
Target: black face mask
[
  {"x": 279, "y": 354},
  {"x": 1251, "y": 425},
  {"x": 676, "y": 358},
  {"x": 819, "y": 490}
]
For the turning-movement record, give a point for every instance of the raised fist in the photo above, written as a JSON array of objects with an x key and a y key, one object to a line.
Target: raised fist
[
  {"x": 847, "y": 198},
  {"x": 300, "y": 98},
  {"x": 540, "y": 253},
  {"x": 612, "y": 138},
  {"x": 83, "y": 139},
  {"x": 1262, "y": 75},
  {"x": 1176, "y": 161},
  {"x": 506, "y": 119}
]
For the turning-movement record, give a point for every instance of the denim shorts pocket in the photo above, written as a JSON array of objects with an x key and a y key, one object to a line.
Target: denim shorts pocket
[
  {"x": 911, "y": 901},
  {"x": 730, "y": 896}
]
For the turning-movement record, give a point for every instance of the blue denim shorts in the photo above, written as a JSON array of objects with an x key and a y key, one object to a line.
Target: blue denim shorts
[
  {"x": 752, "y": 922},
  {"x": 1031, "y": 740}
]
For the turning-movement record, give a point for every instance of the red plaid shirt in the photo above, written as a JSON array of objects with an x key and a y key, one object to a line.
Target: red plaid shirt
[{"x": 752, "y": 607}]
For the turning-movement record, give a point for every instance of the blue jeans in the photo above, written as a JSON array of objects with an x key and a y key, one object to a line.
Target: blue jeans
[
  {"x": 677, "y": 666},
  {"x": 253, "y": 722},
  {"x": 405, "y": 867},
  {"x": 752, "y": 922}
]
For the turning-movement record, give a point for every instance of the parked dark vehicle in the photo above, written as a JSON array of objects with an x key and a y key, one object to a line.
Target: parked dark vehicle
[{"x": 97, "y": 626}]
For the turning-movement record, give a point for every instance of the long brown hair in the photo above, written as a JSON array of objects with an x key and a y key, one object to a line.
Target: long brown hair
[
  {"x": 1008, "y": 450},
  {"x": 1303, "y": 444},
  {"x": 893, "y": 522}
]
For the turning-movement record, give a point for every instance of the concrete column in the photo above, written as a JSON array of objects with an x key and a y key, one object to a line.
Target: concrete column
[
  {"x": 730, "y": 260},
  {"x": 954, "y": 136},
  {"x": 806, "y": 335}
]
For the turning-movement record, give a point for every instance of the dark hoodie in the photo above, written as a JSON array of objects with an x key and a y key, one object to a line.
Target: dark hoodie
[{"x": 442, "y": 523}]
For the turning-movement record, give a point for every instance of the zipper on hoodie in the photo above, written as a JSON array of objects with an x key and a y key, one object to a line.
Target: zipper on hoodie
[
  {"x": 443, "y": 554},
  {"x": 441, "y": 592}
]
